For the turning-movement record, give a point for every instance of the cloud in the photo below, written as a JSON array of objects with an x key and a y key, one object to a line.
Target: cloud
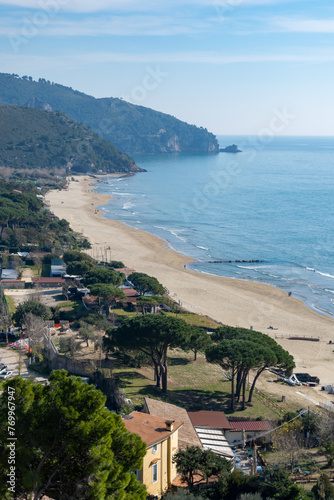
[
  {"x": 85, "y": 6},
  {"x": 86, "y": 59},
  {"x": 139, "y": 25},
  {"x": 206, "y": 57},
  {"x": 305, "y": 25},
  {"x": 74, "y": 5}
]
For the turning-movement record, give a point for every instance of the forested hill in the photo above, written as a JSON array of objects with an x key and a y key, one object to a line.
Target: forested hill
[
  {"x": 32, "y": 140},
  {"x": 133, "y": 129},
  {"x": 26, "y": 225}
]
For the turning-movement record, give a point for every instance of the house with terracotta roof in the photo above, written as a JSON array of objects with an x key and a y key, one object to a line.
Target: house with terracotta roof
[
  {"x": 205, "y": 418},
  {"x": 161, "y": 438},
  {"x": 131, "y": 295},
  {"x": 48, "y": 282},
  {"x": 252, "y": 429},
  {"x": 187, "y": 433},
  {"x": 211, "y": 427}
]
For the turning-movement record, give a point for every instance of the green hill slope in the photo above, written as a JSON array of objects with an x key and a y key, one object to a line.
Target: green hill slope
[
  {"x": 33, "y": 140},
  {"x": 133, "y": 129},
  {"x": 26, "y": 225}
]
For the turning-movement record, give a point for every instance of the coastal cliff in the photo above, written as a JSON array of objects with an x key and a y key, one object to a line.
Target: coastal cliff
[
  {"x": 37, "y": 143},
  {"x": 132, "y": 129}
]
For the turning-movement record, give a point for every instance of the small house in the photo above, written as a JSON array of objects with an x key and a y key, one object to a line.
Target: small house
[{"x": 161, "y": 438}]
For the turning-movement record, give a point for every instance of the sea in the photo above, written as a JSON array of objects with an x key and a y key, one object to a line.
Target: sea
[{"x": 265, "y": 214}]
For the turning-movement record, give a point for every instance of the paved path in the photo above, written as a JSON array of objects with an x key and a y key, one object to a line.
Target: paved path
[{"x": 17, "y": 363}]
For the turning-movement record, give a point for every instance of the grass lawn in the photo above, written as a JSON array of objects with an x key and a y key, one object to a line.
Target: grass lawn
[
  {"x": 121, "y": 312},
  {"x": 10, "y": 303},
  {"x": 194, "y": 385},
  {"x": 192, "y": 319},
  {"x": 196, "y": 319}
]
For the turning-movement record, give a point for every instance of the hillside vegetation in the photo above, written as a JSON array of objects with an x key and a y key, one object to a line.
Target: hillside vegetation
[
  {"x": 32, "y": 139},
  {"x": 26, "y": 225},
  {"x": 133, "y": 129}
]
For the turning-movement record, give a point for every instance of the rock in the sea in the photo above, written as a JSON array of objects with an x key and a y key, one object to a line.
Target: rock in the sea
[{"x": 231, "y": 149}]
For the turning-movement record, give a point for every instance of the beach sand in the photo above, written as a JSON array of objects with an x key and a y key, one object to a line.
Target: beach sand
[{"x": 230, "y": 301}]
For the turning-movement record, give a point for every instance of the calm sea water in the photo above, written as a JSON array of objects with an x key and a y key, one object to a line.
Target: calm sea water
[{"x": 265, "y": 215}]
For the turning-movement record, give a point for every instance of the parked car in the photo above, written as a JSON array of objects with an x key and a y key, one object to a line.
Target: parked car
[
  {"x": 7, "y": 374},
  {"x": 11, "y": 337}
]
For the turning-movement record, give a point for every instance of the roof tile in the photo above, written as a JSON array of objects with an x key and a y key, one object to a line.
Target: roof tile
[{"x": 150, "y": 428}]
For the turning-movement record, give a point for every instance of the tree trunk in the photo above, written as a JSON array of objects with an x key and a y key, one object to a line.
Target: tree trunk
[
  {"x": 238, "y": 385},
  {"x": 253, "y": 384},
  {"x": 232, "y": 389},
  {"x": 164, "y": 371},
  {"x": 164, "y": 378},
  {"x": 195, "y": 354},
  {"x": 157, "y": 374},
  {"x": 244, "y": 378}
]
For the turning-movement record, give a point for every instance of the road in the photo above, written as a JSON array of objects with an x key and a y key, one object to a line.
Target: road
[{"x": 18, "y": 364}]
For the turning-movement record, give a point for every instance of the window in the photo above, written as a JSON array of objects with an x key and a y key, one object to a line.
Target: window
[
  {"x": 155, "y": 448},
  {"x": 135, "y": 472},
  {"x": 155, "y": 473}
]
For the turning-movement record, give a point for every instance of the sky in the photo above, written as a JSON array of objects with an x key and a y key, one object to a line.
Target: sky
[{"x": 246, "y": 67}]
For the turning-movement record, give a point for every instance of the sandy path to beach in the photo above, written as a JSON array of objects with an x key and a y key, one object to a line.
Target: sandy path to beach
[{"x": 232, "y": 302}]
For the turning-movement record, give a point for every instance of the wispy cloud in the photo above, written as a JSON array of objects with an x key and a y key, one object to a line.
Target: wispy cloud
[
  {"x": 84, "y": 59},
  {"x": 209, "y": 57},
  {"x": 305, "y": 25},
  {"x": 132, "y": 25},
  {"x": 85, "y": 6}
]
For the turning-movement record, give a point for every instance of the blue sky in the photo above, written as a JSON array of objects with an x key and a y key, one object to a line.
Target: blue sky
[{"x": 233, "y": 66}]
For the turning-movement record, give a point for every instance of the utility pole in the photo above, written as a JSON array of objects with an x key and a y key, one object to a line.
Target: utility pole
[
  {"x": 308, "y": 427},
  {"x": 254, "y": 464}
]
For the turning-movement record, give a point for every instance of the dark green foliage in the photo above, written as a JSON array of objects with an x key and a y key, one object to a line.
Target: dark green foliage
[
  {"x": 33, "y": 307},
  {"x": 67, "y": 444},
  {"x": 270, "y": 484},
  {"x": 133, "y": 129},
  {"x": 80, "y": 268},
  {"x": 144, "y": 283},
  {"x": 36, "y": 140},
  {"x": 47, "y": 258},
  {"x": 274, "y": 482},
  {"x": 324, "y": 489},
  {"x": 116, "y": 264},
  {"x": 24, "y": 221},
  {"x": 107, "y": 293},
  {"x": 202, "y": 463},
  {"x": 76, "y": 256},
  {"x": 239, "y": 351},
  {"x": 79, "y": 263},
  {"x": 152, "y": 335},
  {"x": 103, "y": 275},
  {"x": 199, "y": 340}
]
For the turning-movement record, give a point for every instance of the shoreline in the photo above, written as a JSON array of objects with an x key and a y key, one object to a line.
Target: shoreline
[
  {"x": 227, "y": 300},
  {"x": 193, "y": 260}
]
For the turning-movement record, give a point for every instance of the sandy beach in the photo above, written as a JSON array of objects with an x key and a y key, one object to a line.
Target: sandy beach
[{"x": 232, "y": 302}]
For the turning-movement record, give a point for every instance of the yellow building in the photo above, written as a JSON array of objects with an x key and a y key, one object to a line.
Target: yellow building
[{"x": 161, "y": 438}]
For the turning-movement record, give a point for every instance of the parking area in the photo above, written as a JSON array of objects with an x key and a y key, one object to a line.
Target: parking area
[
  {"x": 18, "y": 364},
  {"x": 49, "y": 297}
]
